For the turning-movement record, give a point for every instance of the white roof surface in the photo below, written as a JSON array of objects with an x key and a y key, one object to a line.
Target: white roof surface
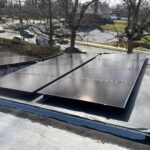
[{"x": 23, "y": 134}]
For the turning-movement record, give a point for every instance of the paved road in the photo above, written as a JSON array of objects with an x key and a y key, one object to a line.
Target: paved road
[
  {"x": 10, "y": 34},
  {"x": 89, "y": 49}
]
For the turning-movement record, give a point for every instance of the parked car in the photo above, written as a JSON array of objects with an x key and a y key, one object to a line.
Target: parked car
[
  {"x": 2, "y": 30},
  {"x": 26, "y": 34},
  {"x": 19, "y": 27},
  {"x": 44, "y": 42},
  {"x": 19, "y": 38},
  {"x": 62, "y": 33}
]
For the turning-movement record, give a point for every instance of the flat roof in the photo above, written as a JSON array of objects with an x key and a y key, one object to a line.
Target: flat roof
[{"x": 22, "y": 130}]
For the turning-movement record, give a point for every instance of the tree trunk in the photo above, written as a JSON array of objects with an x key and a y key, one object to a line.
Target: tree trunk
[
  {"x": 50, "y": 25},
  {"x": 130, "y": 46},
  {"x": 96, "y": 7},
  {"x": 20, "y": 13},
  {"x": 73, "y": 38}
]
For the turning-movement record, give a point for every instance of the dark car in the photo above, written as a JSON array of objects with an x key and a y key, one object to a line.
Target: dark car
[
  {"x": 19, "y": 27},
  {"x": 26, "y": 34}
]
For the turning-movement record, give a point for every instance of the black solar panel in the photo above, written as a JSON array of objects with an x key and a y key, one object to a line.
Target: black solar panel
[
  {"x": 119, "y": 61},
  {"x": 25, "y": 82},
  {"x": 36, "y": 76},
  {"x": 112, "y": 94},
  {"x": 8, "y": 54},
  {"x": 108, "y": 80},
  {"x": 15, "y": 59},
  {"x": 105, "y": 74}
]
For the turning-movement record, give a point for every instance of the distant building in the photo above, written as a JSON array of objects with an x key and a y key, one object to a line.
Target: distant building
[
  {"x": 117, "y": 15},
  {"x": 95, "y": 20},
  {"x": 92, "y": 20}
]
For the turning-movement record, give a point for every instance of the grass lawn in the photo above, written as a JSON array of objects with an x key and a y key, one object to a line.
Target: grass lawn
[
  {"x": 146, "y": 39},
  {"x": 125, "y": 46},
  {"x": 117, "y": 26}
]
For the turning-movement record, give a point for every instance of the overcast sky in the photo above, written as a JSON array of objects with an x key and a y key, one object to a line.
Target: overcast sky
[{"x": 111, "y": 2}]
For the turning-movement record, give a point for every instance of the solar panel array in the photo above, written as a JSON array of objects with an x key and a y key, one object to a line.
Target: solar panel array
[
  {"x": 101, "y": 79},
  {"x": 107, "y": 80},
  {"x": 36, "y": 76}
]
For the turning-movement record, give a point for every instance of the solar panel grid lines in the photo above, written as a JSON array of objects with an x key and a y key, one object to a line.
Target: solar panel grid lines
[
  {"x": 111, "y": 81},
  {"x": 106, "y": 74}
]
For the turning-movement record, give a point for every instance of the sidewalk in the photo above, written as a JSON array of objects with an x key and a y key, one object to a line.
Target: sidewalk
[{"x": 97, "y": 45}]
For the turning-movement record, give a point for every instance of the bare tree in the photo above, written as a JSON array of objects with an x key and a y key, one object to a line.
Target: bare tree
[
  {"x": 46, "y": 13},
  {"x": 74, "y": 16},
  {"x": 96, "y": 7},
  {"x": 2, "y": 5},
  {"x": 138, "y": 20},
  {"x": 20, "y": 12}
]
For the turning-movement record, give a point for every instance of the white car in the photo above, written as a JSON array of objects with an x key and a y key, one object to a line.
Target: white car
[
  {"x": 44, "y": 42},
  {"x": 2, "y": 30},
  {"x": 19, "y": 38}
]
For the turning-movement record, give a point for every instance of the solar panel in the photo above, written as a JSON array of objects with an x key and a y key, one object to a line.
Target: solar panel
[
  {"x": 16, "y": 60},
  {"x": 112, "y": 94},
  {"x": 25, "y": 82},
  {"x": 119, "y": 61},
  {"x": 43, "y": 73},
  {"x": 7, "y": 54},
  {"x": 108, "y": 80},
  {"x": 69, "y": 58},
  {"x": 124, "y": 57},
  {"x": 58, "y": 65},
  {"x": 105, "y": 74}
]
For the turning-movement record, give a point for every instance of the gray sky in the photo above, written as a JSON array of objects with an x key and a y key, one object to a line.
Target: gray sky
[{"x": 111, "y": 2}]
